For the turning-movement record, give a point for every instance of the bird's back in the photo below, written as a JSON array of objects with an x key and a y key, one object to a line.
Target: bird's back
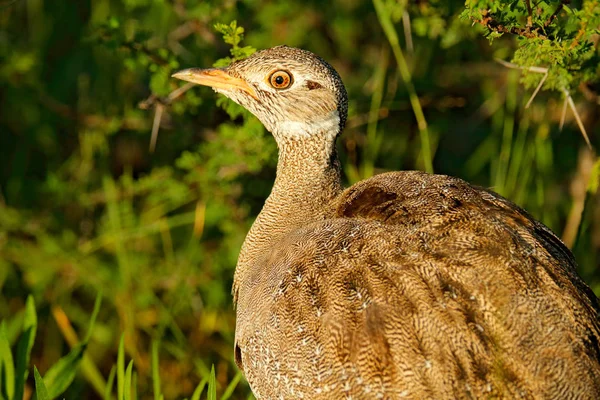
[{"x": 419, "y": 286}]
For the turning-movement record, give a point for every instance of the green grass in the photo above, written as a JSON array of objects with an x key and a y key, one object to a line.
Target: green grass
[{"x": 15, "y": 367}]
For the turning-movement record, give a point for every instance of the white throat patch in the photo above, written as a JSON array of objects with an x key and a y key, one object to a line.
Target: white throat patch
[{"x": 330, "y": 125}]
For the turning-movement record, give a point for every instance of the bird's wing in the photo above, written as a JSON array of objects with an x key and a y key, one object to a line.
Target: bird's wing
[{"x": 426, "y": 287}]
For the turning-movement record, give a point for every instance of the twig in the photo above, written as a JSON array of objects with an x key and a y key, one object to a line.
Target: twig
[
  {"x": 568, "y": 98},
  {"x": 178, "y": 92},
  {"x": 529, "y": 13},
  {"x": 93, "y": 121},
  {"x": 540, "y": 70},
  {"x": 563, "y": 115},
  {"x": 555, "y": 13},
  {"x": 160, "y": 104},
  {"x": 7, "y": 4},
  {"x": 135, "y": 48},
  {"x": 493, "y": 25},
  {"x": 155, "y": 126},
  {"x": 577, "y": 117},
  {"x": 537, "y": 89}
]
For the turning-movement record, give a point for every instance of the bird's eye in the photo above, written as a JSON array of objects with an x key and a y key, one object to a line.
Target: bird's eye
[{"x": 281, "y": 79}]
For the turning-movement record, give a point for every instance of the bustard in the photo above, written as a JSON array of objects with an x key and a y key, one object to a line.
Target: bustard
[{"x": 405, "y": 285}]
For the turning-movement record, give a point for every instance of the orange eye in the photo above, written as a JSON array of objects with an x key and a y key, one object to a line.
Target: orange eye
[{"x": 281, "y": 79}]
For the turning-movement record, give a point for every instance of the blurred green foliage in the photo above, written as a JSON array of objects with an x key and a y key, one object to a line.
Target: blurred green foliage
[
  {"x": 85, "y": 207},
  {"x": 551, "y": 34}
]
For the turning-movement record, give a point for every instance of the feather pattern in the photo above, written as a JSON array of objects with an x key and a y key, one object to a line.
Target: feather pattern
[{"x": 405, "y": 285}]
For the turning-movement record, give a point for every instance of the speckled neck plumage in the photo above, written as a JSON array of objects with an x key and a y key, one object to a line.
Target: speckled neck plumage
[{"x": 308, "y": 178}]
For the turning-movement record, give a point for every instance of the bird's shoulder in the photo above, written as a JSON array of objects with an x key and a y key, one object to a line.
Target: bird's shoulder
[{"x": 412, "y": 273}]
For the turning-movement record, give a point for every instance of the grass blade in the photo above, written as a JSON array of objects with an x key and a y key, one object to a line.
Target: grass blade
[
  {"x": 198, "y": 390},
  {"x": 97, "y": 304},
  {"x": 60, "y": 375},
  {"x": 121, "y": 368},
  {"x": 88, "y": 368},
  {"x": 385, "y": 20},
  {"x": 232, "y": 385},
  {"x": 212, "y": 385},
  {"x": 7, "y": 368},
  {"x": 134, "y": 385},
  {"x": 40, "y": 388},
  {"x": 155, "y": 371},
  {"x": 127, "y": 394},
  {"x": 24, "y": 347},
  {"x": 109, "y": 384}
]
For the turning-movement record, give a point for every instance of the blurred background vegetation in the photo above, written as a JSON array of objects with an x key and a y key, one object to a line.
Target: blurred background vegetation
[{"x": 86, "y": 207}]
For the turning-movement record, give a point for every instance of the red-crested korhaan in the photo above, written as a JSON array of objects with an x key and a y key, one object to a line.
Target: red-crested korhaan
[{"x": 405, "y": 285}]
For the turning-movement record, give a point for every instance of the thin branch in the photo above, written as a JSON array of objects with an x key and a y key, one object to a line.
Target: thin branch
[
  {"x": 529, "y": 13},
  {"x": 537, "y": 89},
  {"x": 493, "y": 25},
  {"x": 563, "y": 115},
  {"x": 160, "y": 104},
  {"x": 577, "y": 117},
  {"x": 555, "y": 13},
  {"x": 93, "y": 121},
  {"x": 178, "y": 92},
  {"x": 568, "y": 98},
  {"x": 540, "y": 70},
  {"x": 156, "y": 126}
]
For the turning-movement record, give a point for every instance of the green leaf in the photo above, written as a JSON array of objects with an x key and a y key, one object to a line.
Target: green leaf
[
  {"x": 232, "y": 385},
  {"x": 594, "y": 181},
  {"x": 7, "y": 371},
  {"x": 24, "y": 347},
  {"x": 97, "y": 304},
  {"x": 121, "y": 368},
  {"x": 155, "y": 370},
  {"x": 160, "y": 82},
  {"x": 60, "y": 375},
  {"x": 198, "y": 390},
  {"x": 109, "y": 384},
  {"x": 127, "y": 394},
  {"x": 233, "y": 35},
  {"x": 212, "y": 385},
  {"x": 40, "y": 388},
  {"x": 134, "y": 386}
]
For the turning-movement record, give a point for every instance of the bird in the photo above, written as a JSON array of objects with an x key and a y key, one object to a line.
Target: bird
[{"x": 405, "y": 285}]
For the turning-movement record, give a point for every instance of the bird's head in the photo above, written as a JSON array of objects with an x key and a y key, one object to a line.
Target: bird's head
[{"x": 293, "y": 92}]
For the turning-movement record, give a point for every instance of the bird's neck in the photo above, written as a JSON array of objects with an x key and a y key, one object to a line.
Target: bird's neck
[{"x": 308, "y": 178}]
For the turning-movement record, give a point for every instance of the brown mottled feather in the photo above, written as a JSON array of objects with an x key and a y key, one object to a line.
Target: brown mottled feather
[
  {"x": 405, "y": 285},
  {"x": 422, "y": 286}
]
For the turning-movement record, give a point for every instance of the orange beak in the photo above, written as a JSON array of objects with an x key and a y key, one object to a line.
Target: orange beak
[{"x": 216, "y": 78}]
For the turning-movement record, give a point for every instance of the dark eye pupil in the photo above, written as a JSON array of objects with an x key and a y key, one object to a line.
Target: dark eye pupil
[{"x": 279, "y": 80}]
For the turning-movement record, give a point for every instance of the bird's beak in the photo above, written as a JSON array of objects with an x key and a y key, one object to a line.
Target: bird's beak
[{"x": 216, "y": 78}]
